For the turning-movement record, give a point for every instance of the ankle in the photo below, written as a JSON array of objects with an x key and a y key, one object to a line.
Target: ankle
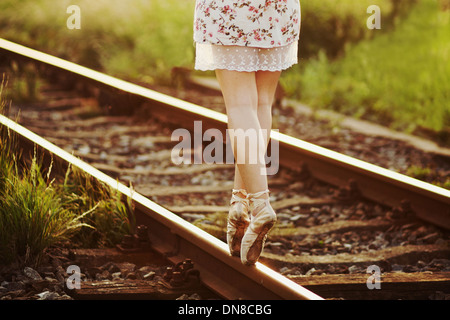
[
  {"x": 258, "y": 195},
  {"x": 258, "y": 201},
  {"x": 241, "y": 193},
  {"x": 263, "y": 197}
]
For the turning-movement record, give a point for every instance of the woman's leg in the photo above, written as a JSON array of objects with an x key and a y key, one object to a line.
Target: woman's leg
[
  {"x": 266, "y": 85},
  {"x": 240, "y": 93},
  {"x": 248, "y": 100}
]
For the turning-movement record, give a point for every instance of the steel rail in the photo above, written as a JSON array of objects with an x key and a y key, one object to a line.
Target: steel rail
[
  {"x": 169, "y": 233},
  {"x": 429, "y": 202}
]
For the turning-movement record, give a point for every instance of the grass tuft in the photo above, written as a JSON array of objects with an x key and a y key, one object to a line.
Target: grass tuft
[
  {"x": 37, "y": 212},
  {"x": 400, "y": 79}
]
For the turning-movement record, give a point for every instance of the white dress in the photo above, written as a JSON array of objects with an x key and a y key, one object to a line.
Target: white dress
[{"x": 246, "y": 35}]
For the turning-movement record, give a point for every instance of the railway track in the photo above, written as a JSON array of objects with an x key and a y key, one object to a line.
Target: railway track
[{"x": 337, "y": 215}]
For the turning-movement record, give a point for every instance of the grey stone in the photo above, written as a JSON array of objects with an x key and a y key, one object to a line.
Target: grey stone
[
  {"x": 47, "y": 295},
  {"x": 149, "y": 276},
  {"x": 32, "y": 274}
]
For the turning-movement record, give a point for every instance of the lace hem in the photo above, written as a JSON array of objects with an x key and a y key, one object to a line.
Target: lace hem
[{"x": 245, "y": 59}]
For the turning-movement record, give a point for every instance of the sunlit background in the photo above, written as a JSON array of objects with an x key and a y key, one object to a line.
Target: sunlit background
[{"x": 398, "y": 76}]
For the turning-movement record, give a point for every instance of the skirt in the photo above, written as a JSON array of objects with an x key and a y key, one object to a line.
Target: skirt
[
  {"x": 245, "y": 59},
  {"x": 246, "y": 35}
]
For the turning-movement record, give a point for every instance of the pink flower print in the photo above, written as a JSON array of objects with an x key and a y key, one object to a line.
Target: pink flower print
[
  {"x": 267, "y": 23},
  {"x": 226, "y": 9}
]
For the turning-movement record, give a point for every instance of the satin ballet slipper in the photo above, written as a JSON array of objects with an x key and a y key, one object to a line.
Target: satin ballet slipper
[
  {"x": 238, "y": 221},
  {"x": 263, "y": 219}
]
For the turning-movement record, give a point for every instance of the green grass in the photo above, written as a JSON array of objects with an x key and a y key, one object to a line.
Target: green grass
[
  {"x": 429, "y": 175},
  {"x": 400, "y": 79},
  {"x": 139, "y": 40},
  {"x": 112, "y": 217},
  {"x": 330, "y": 26},
  {"x": 38, "y": 212},
  {"x": 25, "y": 83},
  {"x": 32, "y": 215}
]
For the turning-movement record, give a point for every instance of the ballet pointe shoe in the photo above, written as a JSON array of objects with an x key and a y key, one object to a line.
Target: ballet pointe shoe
[
  {"x": 238, "y": 221},
  {"x": 263, "y": 219}
]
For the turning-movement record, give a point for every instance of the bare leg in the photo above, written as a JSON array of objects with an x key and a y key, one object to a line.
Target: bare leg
[
  {"x": 238, "y": 182},
  {"x": 241, "y": 100},
  {"x": 266, "y": 83},
  {"x": 248, "y": 100}
]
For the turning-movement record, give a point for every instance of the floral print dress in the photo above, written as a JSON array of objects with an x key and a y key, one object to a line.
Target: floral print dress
[{"x": 246, "y": 35}]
